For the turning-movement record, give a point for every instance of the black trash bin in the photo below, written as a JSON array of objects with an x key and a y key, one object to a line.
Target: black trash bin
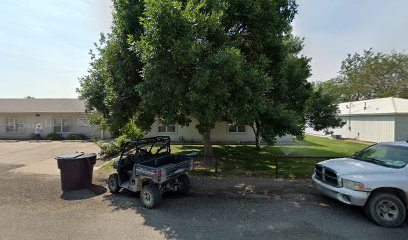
[{"x": 76, "y": 170}]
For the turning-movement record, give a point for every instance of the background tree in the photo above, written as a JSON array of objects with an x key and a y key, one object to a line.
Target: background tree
[
  {"x": 370, "y": 75},
  {"x": 321, "y": 111},
  {"x": 114, "y": 73}
]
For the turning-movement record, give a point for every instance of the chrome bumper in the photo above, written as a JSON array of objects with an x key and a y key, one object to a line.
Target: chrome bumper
[{"x": 347, "y": 196}]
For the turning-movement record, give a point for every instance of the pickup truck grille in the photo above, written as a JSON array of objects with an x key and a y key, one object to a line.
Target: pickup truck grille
[{"x": 326, "y": 175}]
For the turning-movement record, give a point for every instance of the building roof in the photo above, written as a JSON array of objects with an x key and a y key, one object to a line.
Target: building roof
[
  {"x": 379, "y": 106},
  {"x": 42, "y": 105}
]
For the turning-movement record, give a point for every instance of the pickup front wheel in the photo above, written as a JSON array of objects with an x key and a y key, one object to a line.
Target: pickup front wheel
[
  {"x": 386, "y": 210},
  {"x": 150, "y": 195}
]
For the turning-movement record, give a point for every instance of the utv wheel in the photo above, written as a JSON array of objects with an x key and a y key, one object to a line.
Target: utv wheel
[
  {"x": 386, "y": 210},
  {"x": 185, "y": 184},
  {"x": 150, "y": 195},
  {"x": 113, "y": 183}
]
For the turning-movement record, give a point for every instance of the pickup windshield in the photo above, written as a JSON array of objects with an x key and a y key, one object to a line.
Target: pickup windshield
[{"x": 385, "y": 155}]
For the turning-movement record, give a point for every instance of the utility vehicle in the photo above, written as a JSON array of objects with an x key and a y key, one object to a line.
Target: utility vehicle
[{"x": 147, "y": 166}]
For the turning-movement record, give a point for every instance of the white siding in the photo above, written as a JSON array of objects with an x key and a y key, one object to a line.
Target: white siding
[
  {"x": 47, "y": 123},
  {"x": 368, "y": 128},
  {"x": 218, "y": 134},
  {"x": 401, "y": 128}
]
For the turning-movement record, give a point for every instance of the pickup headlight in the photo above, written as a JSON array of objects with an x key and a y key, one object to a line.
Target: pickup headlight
[{"x": 353, "y": 185}]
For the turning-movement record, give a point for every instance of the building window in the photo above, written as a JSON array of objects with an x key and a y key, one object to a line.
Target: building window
[
  {"x": 15, "y": 125},
  {"x": 235, "y": 128},
  {"x": 62, "y": 125},
  {"x": 167, "y": 129},
  {"x": 84, "y": 122}
]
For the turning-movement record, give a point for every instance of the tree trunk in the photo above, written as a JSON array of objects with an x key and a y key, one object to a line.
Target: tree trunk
[
  {"x": 258, "y": 141},
  {"x": 257, "y": 135},
  {"x": 208, "y": 151}
]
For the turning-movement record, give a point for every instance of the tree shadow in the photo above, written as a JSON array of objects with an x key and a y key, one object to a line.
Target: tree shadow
[{"x": 244, "y": 210}]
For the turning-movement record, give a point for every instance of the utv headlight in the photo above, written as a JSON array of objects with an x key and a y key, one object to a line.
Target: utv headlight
[{"x": 353, "y": 185}]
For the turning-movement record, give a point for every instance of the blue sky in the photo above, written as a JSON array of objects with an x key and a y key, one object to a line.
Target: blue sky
[{"x": 44, "y": 44}]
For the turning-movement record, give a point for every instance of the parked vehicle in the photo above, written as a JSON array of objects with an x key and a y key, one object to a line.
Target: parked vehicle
[
  {"x": 146, "y": 165},
  {"x": 375, "y": 178}
]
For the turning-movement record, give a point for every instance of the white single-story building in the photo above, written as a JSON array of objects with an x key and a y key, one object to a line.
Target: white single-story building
[
  {"x": 375, "y": 120},
  {"x": 19, "y": 117}
]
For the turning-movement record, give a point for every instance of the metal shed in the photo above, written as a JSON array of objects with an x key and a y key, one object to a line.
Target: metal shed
[{"x": 375, "y": 120}]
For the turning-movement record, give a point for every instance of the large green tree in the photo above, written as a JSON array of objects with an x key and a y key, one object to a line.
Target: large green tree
[
  {"x": 370, "y": 75},
  {"x": 214, "y": 60},
  {"x": 191, "y": 72}
]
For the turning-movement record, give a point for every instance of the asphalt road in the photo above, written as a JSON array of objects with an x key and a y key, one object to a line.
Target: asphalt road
[
  {"x": 38, "y": 157},
  {"x": 31, "y": 207}
]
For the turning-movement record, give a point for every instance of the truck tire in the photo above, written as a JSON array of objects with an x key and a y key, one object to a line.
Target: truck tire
[
  {"x": 150, "y": 195},
  {"x": 386, "y": 210},
  {"x": 113, "y": 183},
  {"x": 185, "y": 184}
]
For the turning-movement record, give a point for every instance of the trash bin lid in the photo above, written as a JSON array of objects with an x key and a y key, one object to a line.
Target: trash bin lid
[{"x": 70, "y": 155}]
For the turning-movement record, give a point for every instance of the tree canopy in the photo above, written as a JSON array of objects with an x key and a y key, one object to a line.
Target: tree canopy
[
  {"x": 110, "y": 87},
  {"x": 214, "y": 60},
  {"x": 370, "y": 75}
]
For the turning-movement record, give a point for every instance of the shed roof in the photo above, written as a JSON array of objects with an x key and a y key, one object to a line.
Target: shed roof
[
  {"x": 379, "y": 106},
  {"x": 42, "y": 105}
]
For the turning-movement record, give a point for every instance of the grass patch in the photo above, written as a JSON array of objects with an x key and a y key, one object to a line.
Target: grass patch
[
  {"x": 246, "y": 160},
  {"x": 109, "y": 166}
]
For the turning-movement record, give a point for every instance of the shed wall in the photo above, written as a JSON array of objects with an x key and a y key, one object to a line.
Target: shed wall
[
  {"x": 368, "y": 128},
  {"x": 401, "y": 128}
]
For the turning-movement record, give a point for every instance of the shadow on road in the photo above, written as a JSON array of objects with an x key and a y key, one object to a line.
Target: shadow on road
[
  {"x": 289, "y": 210},
  {"x": 93, "y": 191}
]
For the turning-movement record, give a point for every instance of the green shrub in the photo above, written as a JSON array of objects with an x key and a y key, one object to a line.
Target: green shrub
[
  {"x": 54, "y": 136},
  {"x": 130, "y": 131},
  {"x": 109, "y": 149},
  {"x": 79, "y": 136}
]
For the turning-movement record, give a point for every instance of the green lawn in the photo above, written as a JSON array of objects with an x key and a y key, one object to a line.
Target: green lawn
[{"x": 245, "y": 160}]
